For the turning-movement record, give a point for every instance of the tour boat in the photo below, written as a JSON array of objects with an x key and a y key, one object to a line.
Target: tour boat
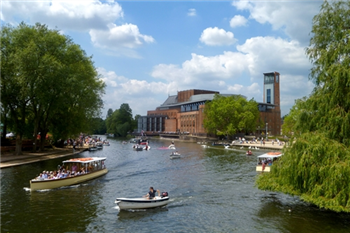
[
  {"x": 142, "y": 202},
  {"x": 265, "y": 161},
  {"x": 85, "y": 169}
]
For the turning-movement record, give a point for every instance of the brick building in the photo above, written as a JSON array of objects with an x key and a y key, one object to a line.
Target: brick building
[{"x": 184, "y": 112}]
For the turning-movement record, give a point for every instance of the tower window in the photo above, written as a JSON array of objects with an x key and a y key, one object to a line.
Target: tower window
[{"x": 268, "y": 96}]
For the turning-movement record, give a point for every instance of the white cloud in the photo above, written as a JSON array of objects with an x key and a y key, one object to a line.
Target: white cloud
[
  {"x": 192, "y": 12},
  {"x": 256, "y": 56},
  {"x": 202, "y": 70},
  {"x": 216, "y": 37},
  {"x": 121, "y": 90},
  {"x": 267, "y": 54},
  {"x": 119, "y": 37},
  {"x": 293, "y": 17},
  {"x": 237, "y": 21},
  {"x": 65, "y": 15}
]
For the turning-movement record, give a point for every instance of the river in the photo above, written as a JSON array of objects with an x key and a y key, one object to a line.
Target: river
[{"x": 211, "y": 190}]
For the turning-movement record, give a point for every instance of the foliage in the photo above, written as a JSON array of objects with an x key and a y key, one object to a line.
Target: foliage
[
  {"x": 316, "y": 168},
  {"x": 48, "y": 82},
  {"x": 98, "y": 126},
  {"x": 229, "y": 115},
  {"x": 120, "y": 121},
  {"x": 291, "y": 124},
  {"x": 317, "y": 164}
]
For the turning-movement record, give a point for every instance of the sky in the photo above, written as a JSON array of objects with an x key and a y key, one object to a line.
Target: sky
[{"x": 145, "y": 51}]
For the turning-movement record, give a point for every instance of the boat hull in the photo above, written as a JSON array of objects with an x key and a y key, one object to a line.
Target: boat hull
[
  {"x": 260, "y": 169},
  {"x": 51, "y": 184},
  {"x": 141, "y": 203}
]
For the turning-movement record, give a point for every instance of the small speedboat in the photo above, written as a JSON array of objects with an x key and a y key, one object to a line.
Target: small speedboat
[
  {"x": 142, "y": 202},
  {"x": 175, "y": 155}
]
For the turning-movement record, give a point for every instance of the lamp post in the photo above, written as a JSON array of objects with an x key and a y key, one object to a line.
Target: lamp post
[{"x": 266, "y": 131}]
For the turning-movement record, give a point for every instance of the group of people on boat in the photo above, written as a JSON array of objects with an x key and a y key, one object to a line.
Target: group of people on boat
[
  {"x": 60, "y": 173},
  {"x": 71, "y": 170}
]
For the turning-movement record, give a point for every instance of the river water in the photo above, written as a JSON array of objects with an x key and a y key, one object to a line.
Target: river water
[{"x": 211, "y": 190}]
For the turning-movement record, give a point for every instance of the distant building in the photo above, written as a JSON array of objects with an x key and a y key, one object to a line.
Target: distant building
[{"x": 184, "y": 112}]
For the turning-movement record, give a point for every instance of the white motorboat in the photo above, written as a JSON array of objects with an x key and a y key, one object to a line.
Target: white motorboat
[
  {"x": 99, "y": 145},
  {"x": 92, "y": 148},
  {"x": 175, "y": 155},
  {"x": 265, "y": 161},
  {"x": 141, "y": 202},
  {"x": 75, "y": 171}
]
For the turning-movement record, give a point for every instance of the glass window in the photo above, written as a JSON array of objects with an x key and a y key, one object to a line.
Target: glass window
[{"x": 268, "y": 96}]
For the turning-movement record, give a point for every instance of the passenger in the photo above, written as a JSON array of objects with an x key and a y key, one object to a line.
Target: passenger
[
  {"x": 74, "y": 168},
  {"x": 152, "y": 193}
]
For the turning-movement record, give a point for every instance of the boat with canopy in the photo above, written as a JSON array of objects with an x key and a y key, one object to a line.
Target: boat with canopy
[{"x": 73, "y": 171}]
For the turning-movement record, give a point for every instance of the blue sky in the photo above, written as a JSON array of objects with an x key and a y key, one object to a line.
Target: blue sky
[{"x": 147, "y": 50}]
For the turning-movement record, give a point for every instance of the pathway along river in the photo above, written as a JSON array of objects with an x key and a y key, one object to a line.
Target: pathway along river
[{"x": 212, "y": 190}]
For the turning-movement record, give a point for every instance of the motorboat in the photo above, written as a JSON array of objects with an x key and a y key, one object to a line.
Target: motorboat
[
  {"x": 137, "y": 148},
  {"x": 74, "y": 171},
  {"x": 99, "y": 145},
  {"x": 106, "y": 143},
  {"x": 92, "y": 148},
  {"x": 266, "y": 160},
  {"x": 175, "y": 155},
  {"x": 172, "y": 146},
  {"x": 142, "y": 202}
]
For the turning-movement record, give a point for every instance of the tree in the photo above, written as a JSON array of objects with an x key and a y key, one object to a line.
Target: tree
[
  {"x": 229, "y": 115},
  {"x": 317, "y": 164},
  {"x": 48, "y": 83},
  {"x": 109, "y": 113},
  {"x": 121, "y": 121}
]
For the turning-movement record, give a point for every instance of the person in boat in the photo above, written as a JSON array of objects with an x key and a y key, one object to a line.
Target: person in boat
[{"x": 152, "y": 193}]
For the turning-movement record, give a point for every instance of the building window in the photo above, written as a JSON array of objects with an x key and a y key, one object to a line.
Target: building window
[{"x": 268, "y": 96}]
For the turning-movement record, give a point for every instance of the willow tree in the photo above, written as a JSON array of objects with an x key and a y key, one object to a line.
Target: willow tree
[
  {"x": 317, "y": 165},
  {"x": 227, "y": 115}
]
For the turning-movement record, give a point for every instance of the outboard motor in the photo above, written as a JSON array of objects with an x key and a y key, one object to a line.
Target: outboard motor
[{"x": 164, "y": 194}]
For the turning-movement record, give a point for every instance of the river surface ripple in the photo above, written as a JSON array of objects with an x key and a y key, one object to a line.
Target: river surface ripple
[{"x": 211, "y": 190}]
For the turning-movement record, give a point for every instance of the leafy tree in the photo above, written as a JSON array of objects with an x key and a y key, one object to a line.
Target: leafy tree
[
  {"x": 98, "y": 126},
  {"x": 291, "y": 125},
  {"x": 317, "y": 165},
  {"x": 121, "y": 121},
  {"x": 109, "y": 113},
  {"x": 48, "y": 83},
  {"x": 229, "y": 115}
]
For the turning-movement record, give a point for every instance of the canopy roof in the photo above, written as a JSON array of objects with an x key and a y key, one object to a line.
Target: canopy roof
[
  {"x": 85, "y": 160},
  {"x": 271, "y": 155}
]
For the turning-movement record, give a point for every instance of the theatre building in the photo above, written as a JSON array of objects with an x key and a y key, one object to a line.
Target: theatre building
[{"x": 184, "y": 112}]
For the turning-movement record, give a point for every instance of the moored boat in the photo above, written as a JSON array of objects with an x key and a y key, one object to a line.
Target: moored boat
[
  {"x": 265, "y": 161},
  {"x": 141, "y": 202},
  {"x": 73, "y": 171}
]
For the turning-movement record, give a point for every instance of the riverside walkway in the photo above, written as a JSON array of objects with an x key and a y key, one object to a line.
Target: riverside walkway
[{"x": 10, "y": 160}]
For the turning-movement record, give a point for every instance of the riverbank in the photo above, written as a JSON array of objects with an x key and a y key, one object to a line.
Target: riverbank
[
  {"x": 267, "y": 146},
  {"x": 10, "y": 160}
]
